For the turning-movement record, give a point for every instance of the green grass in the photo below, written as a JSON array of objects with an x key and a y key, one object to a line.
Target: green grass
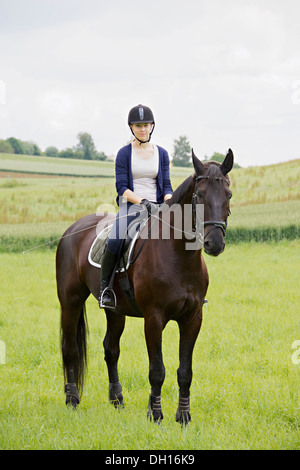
[
  {"x": 55, "y": 166},
  {"x": 253, "y": 185},
  {"x": 34, "y": 210},
  {"x": 245, "y": 391},
  {"x": 40, "y": 200}
]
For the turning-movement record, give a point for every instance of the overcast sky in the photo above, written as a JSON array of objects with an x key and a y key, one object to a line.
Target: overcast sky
[{"x": 225, "y": 73}]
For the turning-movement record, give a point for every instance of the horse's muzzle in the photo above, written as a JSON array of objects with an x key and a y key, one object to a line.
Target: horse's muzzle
[{"x": 214, "y": 244}]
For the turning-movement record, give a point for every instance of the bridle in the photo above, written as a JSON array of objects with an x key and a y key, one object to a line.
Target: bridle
[{"x": 214, "y": 223}]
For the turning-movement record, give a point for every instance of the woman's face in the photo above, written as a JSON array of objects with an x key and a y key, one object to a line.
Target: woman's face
[{"x": 142, "y": 130}]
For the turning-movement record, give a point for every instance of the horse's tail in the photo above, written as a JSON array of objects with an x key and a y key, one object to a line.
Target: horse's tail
[
  {"x": 81, "y": 363},
  {"x": 82, "y": 349}
]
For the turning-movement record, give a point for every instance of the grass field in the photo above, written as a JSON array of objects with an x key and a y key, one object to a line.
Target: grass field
[
  {"x": 35, "y": 209},
  {"x": 55, "y": 166},
  {"x": 245, "y": 391}
]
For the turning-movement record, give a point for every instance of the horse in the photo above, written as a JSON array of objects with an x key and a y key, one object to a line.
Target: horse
[{"x": 169, "y": 283}]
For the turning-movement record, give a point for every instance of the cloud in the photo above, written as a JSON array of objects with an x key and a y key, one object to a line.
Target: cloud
[{"x": 221, "y": 73}]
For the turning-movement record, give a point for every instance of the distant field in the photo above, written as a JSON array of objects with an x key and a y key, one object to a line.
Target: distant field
[
  {"x": 35, "y": 209},
  {"x": 263, "y": 184},
  {"x": 253, "y": 185},
  {"x": 63, "y": 166},
  {"x": 55, "y": 166}
]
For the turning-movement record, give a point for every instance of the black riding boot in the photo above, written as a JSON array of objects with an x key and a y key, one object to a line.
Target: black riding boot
[{"x": 107, "y": 296}]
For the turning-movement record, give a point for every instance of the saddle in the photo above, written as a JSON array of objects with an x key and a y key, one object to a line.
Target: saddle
[{"x": 125, "y": 257}]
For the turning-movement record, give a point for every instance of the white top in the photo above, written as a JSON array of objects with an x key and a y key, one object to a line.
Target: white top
[{"x": 144, "y": 174}]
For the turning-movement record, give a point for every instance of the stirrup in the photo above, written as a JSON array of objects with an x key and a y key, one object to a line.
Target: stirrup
[{"x": 108, "y": 291}]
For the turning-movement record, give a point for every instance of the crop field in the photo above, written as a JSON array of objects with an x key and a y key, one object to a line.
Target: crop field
[
  {"x": 245, "y": 390},
  {"x": 35, "y": 209}
]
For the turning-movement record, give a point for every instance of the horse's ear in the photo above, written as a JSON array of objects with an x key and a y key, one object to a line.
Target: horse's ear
[
  {"x": 198, "y": 166},
  {"x": 227, "y": 163}
]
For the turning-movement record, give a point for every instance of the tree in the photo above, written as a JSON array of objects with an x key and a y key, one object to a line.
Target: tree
[
  {"x": 31, "y": 148},
  {"x": 51, "y": 151},
  {"x": 67, "y": 153},
  {"x": 100, "y": 156},
  {"x": 36, "y": 150},
  {"x": 182, "y": 152},
  {"x": 219, "y": 157},
  {"x": 86, "y": 146},
  {"x": 16, "y": 145},
  {"x": 5, "y": 147}
]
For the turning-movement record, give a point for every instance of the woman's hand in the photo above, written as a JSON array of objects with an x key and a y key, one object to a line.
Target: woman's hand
[{"x": 150, "y": 206}]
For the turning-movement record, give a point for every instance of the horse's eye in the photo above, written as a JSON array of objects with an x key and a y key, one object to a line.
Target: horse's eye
[
  {"x": 200, "y": 194},
  {"x": 229, "y": 195}
]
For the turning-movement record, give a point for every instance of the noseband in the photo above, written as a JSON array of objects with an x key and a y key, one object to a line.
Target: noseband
[{"x": 214, "y": 223}]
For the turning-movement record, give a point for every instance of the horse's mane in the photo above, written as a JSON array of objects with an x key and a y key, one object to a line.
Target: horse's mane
[
  {"x": 181, "y": 191},
  {"x": 213, "y": 171}
]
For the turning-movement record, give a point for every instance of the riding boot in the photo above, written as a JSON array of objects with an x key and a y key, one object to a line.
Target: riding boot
[{"x": 107, "y": 296}]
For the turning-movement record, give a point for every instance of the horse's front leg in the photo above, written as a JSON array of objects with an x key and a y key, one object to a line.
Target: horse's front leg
[
  {"x": 153, "y": 333},
  {"x": 189, "y": 330},
  {"x": 111, "y": 343}
]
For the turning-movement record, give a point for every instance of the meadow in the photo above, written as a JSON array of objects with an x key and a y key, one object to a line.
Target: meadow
[
  {"x": 245, "y": 390},
  {"x": 35, "y": 209}
]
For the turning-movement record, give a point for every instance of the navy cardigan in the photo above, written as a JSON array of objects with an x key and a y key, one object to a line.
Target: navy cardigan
[{"x": 124, "y": 178}]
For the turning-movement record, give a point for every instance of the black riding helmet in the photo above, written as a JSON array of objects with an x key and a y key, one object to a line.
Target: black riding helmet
[{"x": 141, "y": 114}]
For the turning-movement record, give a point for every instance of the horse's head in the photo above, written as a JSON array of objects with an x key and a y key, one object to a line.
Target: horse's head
[{"x": 212, "y": 190}]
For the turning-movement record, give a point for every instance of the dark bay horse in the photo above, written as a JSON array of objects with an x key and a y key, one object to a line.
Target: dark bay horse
[{"x": 169, "y": 282}]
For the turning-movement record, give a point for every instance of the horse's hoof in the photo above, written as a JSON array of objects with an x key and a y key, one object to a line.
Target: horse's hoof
[
  {"x": 115, "y": 395},
  {"x": 183, "y": 415},
  {"x": 183, "y": 418},
  {"x": 154, "y": 409},
  {"x": 72, "y": 401},
  {"x": 72, "y": 396},
  {"x": 118, "y": 404}
]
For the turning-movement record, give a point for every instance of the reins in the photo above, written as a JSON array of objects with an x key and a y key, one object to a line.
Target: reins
[{"x": 57, "y": 239}]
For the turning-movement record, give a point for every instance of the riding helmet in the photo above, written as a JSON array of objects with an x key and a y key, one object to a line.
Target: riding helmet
[{"x": 140, "y": 113}]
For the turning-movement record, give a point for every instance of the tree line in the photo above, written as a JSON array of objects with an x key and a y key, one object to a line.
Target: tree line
[
  {"x": 182, "y": 154},
  {"x": 85, "y": 149}
]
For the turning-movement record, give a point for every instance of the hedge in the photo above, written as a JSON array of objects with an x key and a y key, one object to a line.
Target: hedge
[
  {"x": 262, "y": 234},
  {"x": 10, "y": 244}
]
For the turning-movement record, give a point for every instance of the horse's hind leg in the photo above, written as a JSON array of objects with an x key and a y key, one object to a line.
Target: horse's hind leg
[
  {"x": 73, "y": 325},
  {"x": 111, "y": 343}
]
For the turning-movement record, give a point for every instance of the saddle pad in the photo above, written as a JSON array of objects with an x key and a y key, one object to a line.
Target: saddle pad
[
  {"x": 98, "y": 245},
  {"x": 97, "y": 248}
]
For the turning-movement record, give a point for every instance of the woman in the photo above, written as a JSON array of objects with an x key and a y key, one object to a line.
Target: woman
[{"x": 142, "y": 182}]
